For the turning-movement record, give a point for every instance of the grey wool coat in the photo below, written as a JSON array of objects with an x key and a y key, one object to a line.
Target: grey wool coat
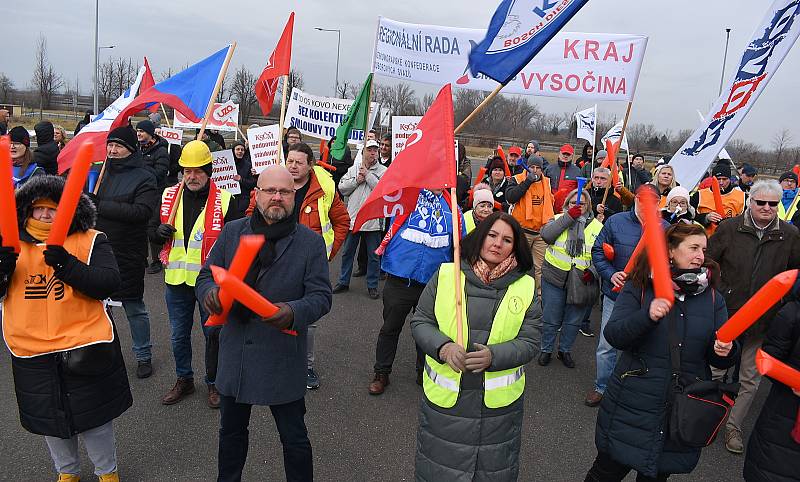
[
  {"x": 470, "y": 442},
  {"x": 258, "y": 364}
]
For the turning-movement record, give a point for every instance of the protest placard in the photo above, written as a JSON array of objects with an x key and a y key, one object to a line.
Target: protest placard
[
  {"x": 173, "y": 136},
  {"x": 319, "y": 117},
  {"x": 225, "y": 171},
  {"x": 224, "y": 117},
  {"x": 402, "y": 127},
  {"x": 596, "y": 66},
  {"x": 265, "y": 146}
]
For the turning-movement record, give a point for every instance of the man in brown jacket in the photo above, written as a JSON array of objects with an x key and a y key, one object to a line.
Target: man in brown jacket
[
  {"x": 317, "y": 206},
  {"x": 752, "y": 248}
]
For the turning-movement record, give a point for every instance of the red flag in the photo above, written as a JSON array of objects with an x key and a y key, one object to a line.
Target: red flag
[
  {"x": 428, "y": 161},
  {"x": 147, "y": 82},
  {"x": 277, "y": 66}
]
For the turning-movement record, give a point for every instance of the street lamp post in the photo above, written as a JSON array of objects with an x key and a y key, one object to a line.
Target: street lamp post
[
  {"x": 97, "y": 48},
  {"x": 338, "y": 45},
  {"x": 724, "y": 59}
]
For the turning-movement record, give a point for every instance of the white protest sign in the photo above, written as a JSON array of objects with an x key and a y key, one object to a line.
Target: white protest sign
[
  {"x": 173, "y": 136},
  {"x": 386, "y": 116},
  {"x": 224, "y": 171},
  {"x": 224, "y": 117},
  {"x": 597, "y": 66},
  {"x": 320, "y": 116},
  {"x": 265, "y": 146},
  {"x": 402, "y": 128}
]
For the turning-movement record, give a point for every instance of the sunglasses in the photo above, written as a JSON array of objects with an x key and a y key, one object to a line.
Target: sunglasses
[{"x": 772, "y": 204}]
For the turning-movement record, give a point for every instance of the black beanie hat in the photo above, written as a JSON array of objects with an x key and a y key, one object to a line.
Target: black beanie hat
[
  {"x": 496, "y": 163},
  {"x": 20, "y": 134},
  {"x": 124, "y": 136},
  {"x": 208, "y": 168},
  {"x": 722, "y": 169},
  {"x": 788, "y": 175},
  {"x": 147, "y": 126}
]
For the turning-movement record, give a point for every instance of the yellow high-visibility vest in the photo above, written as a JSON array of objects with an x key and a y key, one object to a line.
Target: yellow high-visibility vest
[
  {"x": 185, "y": 257},
  {"x": 441, "y": 383},
  {"x": 557, "y": 255},
  {"x": 324, "y": 204}
]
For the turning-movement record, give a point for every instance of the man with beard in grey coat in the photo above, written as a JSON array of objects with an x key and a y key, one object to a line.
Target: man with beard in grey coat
[{"x": 262, "y": 361}]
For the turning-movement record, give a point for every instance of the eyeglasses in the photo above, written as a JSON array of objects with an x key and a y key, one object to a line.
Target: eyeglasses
[
  {"x": 271, "y": 192},
  {"x": 760, "y": 202}
]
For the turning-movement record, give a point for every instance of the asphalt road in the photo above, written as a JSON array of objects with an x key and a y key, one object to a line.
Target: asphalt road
[{"x": 355, "y": 436}]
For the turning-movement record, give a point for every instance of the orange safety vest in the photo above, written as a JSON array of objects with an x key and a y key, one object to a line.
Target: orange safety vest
[
  {"x": 535, "y": 208},
  {"x": 732, "y": 202},
  {"x": 42, "y": 314}
]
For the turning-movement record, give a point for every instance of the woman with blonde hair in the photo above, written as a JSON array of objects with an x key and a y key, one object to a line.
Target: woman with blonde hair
[
  {"x": 663, "y": 180},
  {"x": 60, "y": 137}
]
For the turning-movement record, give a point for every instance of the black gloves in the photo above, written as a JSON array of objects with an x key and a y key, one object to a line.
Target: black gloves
[
  {"x": 8, "y": 261},
  {"x": 57, "y": 257},
  {"x": 165, "y": 231}
]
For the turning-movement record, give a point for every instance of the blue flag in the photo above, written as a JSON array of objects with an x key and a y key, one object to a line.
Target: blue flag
[{"x": 518, "y": 31}]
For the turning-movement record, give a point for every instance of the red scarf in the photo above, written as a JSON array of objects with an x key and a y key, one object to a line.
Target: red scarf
[{"x": 212, "y": 223}]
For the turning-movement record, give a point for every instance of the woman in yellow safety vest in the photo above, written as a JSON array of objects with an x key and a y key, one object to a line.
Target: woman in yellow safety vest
[
  {"x": 482, "y": 206},
  {"x": 69, "y": 375},
  {"x": 471, "y": 415},
  {"x": 570, "y": 236}
]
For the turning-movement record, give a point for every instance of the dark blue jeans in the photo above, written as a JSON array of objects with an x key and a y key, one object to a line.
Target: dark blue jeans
[
  {"x": 556, "y": 313},
  {"x": 372, "y": 239},
  {"x": 181, "y": 301},
  {"x": 298, "y": 462}
]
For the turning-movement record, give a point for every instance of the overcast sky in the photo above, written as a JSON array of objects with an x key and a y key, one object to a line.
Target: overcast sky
[{"x": 681, "y": 70}]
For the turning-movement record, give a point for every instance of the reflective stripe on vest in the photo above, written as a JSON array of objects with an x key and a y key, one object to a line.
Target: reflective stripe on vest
[
  {"x": 469, "y": 221},
  {"x": 787, "y": 216},
  {"x": 324, "y": 204},
  {"x": 185, "y": 257},
  {"x": 556, "y": 254},
  {"x": 441, "y": 383}
]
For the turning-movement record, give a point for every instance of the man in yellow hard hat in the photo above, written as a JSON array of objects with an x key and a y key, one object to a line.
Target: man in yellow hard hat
[{"x": 191, "y": 217}]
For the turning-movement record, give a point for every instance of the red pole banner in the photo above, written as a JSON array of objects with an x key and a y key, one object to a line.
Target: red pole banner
[{"x": 76, "y": 180}]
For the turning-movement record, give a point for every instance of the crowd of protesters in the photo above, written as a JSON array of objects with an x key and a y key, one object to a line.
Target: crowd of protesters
[{"x": 543, "y": 244}]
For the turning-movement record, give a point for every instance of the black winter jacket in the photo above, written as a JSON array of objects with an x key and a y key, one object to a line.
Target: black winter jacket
[
  {"x": 631, "y": 424},
  {"x": 772, "y": 454},
  {"x": 156, "y": 157},
  {"x": 747, "y": 262},
  {"x": 46, "y": 153},
  {"x": 51, "y": 399},
  {"x": 126, "y": 200}
]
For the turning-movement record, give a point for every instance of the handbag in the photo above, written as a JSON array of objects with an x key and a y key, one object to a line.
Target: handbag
[
  {"x": 580, "y": 292},
  {"x": 698, "y": 408}
]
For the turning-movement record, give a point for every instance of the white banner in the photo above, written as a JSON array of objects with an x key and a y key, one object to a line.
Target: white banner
[
  {"x": 224, "y": 171},
  {"x": 319, "y": 117},
  {"x": 762, "y": 56},
  {"x": 173, "y": 136},
  {"x": 597, "y": 66},
  {"x": 224, "y": 117},
  {"x": 586, "y": 122},
  {"x": 613, "y": 136},
  {"x": 402, "y": 128},
  {"x": 265, "y": 146}
]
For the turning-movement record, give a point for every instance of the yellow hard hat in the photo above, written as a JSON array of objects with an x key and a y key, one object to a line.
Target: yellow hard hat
[{"x": 195, "y": 154}]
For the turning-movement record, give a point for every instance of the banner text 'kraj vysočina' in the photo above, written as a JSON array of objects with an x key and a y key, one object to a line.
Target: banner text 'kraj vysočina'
[
  {"x": 593, "y": 66},
  {"x": 319, "y": 117},
  {"x": 762, "y": 56}
]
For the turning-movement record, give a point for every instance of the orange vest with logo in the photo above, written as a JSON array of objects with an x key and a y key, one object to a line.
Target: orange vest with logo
[
  {"x": 535, "y": 208},
  {"x": 732, "y": 203},
  {"x": 42, "y": 314}
]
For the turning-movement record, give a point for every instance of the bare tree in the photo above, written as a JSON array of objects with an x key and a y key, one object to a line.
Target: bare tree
[
  {"x": 343, "y": 90},
  {"x": 781, "y": 141},
  {"x": 243, "y": 92},
  {"x": 295, "y": 80},
  {"x": 114, "y": 77},
  {"x": 224, "y": 93},
  {"x": 46, "y": 81},
  {"x": 6, "y": 88}
]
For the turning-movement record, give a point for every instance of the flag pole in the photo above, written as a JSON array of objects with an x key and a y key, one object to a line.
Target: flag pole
[
  {"x": 283, "y": 113},
  {"x": 213, "y": 98},
  {"x": 166, "y": 117},
  {"x": 621, "y": 136},
  {"x": 478, "y": 109},
  {"x": 457, "y": 266},
  {"x": 594, "y": 139},
  {"x": 100, "y": 177}
]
